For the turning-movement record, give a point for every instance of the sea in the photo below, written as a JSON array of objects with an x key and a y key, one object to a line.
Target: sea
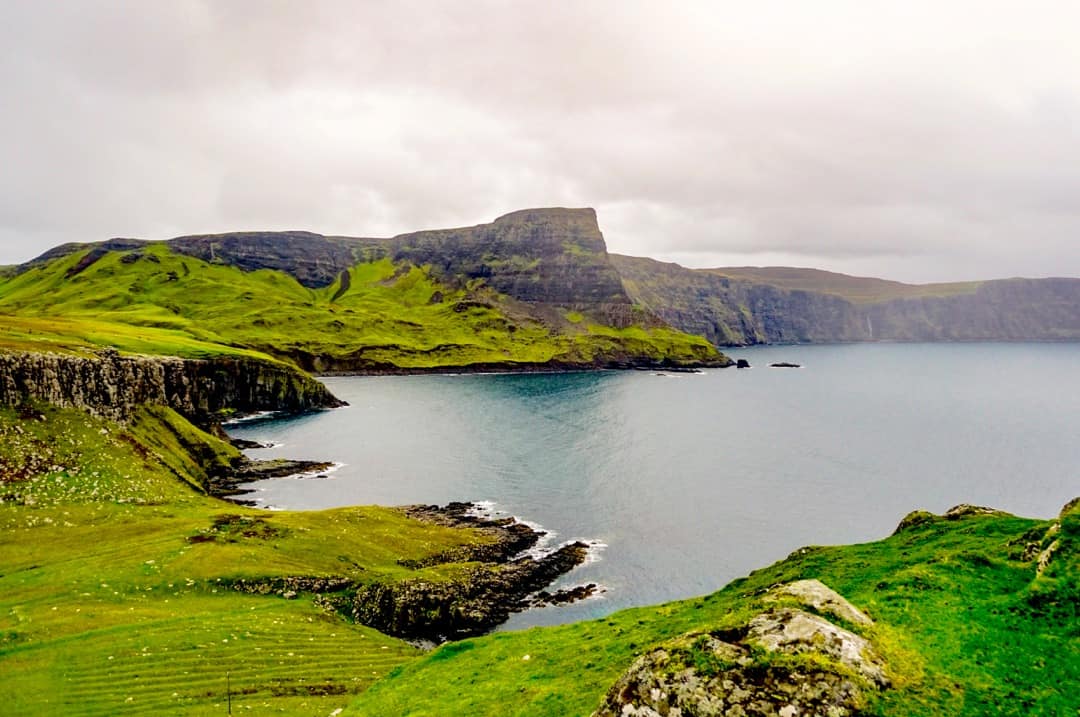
[{"x": 681, "y": 482}]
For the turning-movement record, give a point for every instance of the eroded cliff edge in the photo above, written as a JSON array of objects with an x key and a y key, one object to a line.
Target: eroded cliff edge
[{"x": 113, "y": 386}]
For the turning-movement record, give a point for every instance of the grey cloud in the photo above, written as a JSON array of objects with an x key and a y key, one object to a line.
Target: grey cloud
[{"x": 913, "y": 141}]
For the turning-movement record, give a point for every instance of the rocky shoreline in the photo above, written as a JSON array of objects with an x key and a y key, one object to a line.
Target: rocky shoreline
[
  {"x": 481, "y": 597},
  {"x": 227, "y": 486},
  {"x": 547, "y": 367}
]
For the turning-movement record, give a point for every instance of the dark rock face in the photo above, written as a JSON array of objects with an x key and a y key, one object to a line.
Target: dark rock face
[
  {"x": 113, "y": 386},
  {"x": 742, "y": 363},
  {"x": 730, "y": 311},
  {"x": 469, "y": 604},
  {"x": 315, "y": 260},
  {"x": 226, "y": 485},
  {"x": 462, "y": 607},
  {"x": 553, "y": 256}
]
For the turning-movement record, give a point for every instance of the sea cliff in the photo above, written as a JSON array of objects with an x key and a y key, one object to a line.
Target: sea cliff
[{"x": 114, "y": 386}]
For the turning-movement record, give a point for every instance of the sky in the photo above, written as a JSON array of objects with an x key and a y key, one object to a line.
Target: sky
[{"x": 917, "y": 141}]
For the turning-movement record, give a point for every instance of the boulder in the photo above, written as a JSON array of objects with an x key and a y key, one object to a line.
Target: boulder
[
  {"x": 822, "y": 599},
  {"x": 783, "y": 662}
]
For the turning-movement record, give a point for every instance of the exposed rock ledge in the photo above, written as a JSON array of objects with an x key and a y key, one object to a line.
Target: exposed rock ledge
[
  {"x": 472, "y": 602},
  {"x": 782, "y": 663},
  {"x": 113, "y": 386}
]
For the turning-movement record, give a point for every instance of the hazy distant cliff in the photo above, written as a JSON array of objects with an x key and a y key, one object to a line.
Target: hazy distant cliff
[{"x": 749, "y": 306}]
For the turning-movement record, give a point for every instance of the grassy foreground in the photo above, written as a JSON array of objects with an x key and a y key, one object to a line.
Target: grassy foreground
[
  {"x": 114, "y": 599},
  {"x": 379, "y": 314},
  {"x": 966, "y": 625},
  {"x": 114, "y": 567}
]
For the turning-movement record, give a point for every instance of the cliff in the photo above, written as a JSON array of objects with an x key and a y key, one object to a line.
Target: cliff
[
  {"x": 779, "y": 305},
  {"x": 532, "y": 290},
  {"x": 555, "y": 256},
  {"x": 114, "y": 386},
  {"x": 551, "y": 255}
]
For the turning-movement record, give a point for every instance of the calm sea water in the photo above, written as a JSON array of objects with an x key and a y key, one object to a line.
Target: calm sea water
[{"x": 691, "y": 480}]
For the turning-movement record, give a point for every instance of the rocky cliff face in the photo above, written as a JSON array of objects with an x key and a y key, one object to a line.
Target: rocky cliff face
[
  {"x": 315, "y": 260},
  {"x": 555, "y": 256},
  {"x": 730, "y": 311},
  {"x": 114, "y": 386}
]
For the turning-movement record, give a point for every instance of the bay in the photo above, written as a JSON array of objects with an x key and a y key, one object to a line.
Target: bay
[{"x": 687, "y": 481}]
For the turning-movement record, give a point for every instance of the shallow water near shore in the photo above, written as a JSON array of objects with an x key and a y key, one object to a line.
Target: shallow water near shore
[{"x": 686, "y": 481}]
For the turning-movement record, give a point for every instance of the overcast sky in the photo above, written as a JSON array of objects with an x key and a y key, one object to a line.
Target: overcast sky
[{"x": 919, "y": 141}]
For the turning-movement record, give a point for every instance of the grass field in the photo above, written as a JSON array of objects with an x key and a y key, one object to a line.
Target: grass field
[
  {"x": 397, "y": 315},
  {"x": 113, "y": 575}
]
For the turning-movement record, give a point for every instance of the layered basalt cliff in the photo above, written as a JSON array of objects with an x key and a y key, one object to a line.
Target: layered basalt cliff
[
  {"x": 315, "y": 260},
  {"x": 730, "y": 310},
  {"x": 555, "y": 256},
  {"x": 114, "y": 386}
]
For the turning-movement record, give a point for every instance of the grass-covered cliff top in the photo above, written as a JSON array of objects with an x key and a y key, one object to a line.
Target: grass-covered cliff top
[{"x": 377, "y": 314}]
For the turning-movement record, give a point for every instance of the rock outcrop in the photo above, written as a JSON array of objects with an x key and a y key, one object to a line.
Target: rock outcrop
[
  {"x": 313, "y": 259},
  {"x": 468, "y": 604},
  {"x": 114, "y": 386},
  {"x": 493, "y": 583},
  {"x": 477, "y": 599},
  {"x": 783, "y": 662}
]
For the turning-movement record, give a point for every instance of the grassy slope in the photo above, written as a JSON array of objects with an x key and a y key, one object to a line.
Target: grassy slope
[
  {"x": 107, "y": 607},
  {"x": 857, "y": 289},
  {"x": 183, "y": 306},
  {"x": 955, "y": 618}
]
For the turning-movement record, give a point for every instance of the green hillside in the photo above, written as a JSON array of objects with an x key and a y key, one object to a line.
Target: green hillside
[
  {"x": 966, "y": 622},
  {"x": 377, "y": 315}
]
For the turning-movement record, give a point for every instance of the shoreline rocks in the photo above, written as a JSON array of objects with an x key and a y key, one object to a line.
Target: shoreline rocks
[
  {"x": 496, "y": 581},
  {"x": 463, "y": 606},
  {"x": 228, "y": 485}
]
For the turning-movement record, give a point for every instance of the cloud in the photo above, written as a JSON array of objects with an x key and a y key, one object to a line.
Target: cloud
[{"x": 919, "y": 141}]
